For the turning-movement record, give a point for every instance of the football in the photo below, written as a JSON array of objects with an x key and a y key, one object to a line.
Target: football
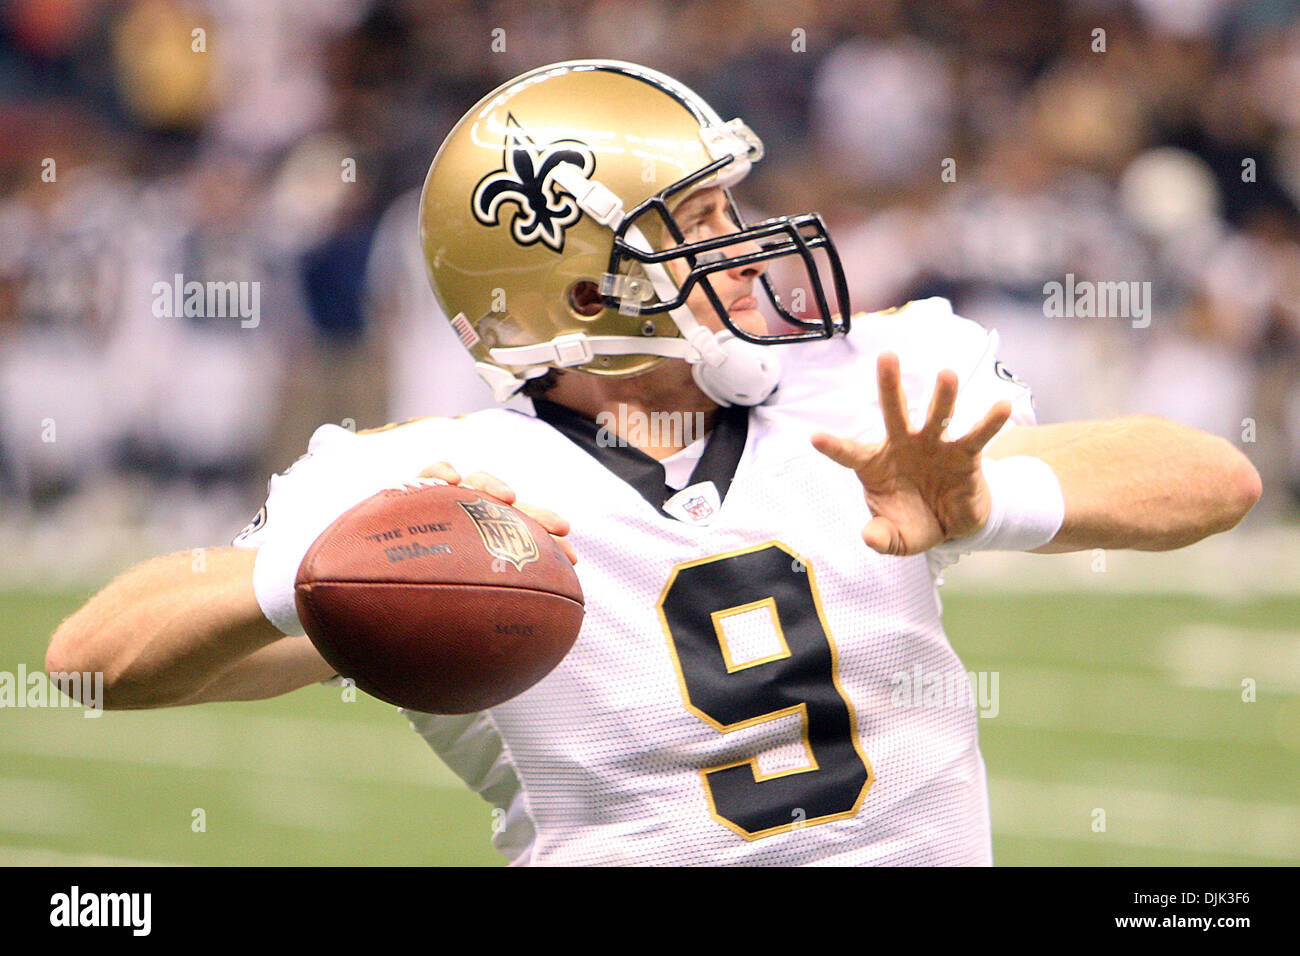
[{"x": 439, "y": 599}]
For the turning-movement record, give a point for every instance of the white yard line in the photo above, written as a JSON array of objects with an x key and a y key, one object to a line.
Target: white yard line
[
  {"x": 31, "y": 856},
  {"x": 1218, "y": 656},
  {"x": 220, "y": 741},
  {"x": 1052, "y": 697},
  {"x": 1242, "y": 564},
  {"x": 1143, "y": 817},
  {"x": 42, "y": 807}
]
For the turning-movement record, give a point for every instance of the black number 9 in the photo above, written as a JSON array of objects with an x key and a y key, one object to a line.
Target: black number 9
[{"x": 796, "y": 676}]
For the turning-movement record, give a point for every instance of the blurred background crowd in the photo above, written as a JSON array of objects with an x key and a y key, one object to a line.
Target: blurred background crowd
[{"x": 976, "y": 150}]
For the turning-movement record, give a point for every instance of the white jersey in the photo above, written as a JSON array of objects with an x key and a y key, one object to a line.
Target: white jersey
[{"x": 752, "y": 684}]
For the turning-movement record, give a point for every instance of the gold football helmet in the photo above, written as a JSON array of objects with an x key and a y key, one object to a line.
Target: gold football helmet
[{"x": 547, "y": 220}]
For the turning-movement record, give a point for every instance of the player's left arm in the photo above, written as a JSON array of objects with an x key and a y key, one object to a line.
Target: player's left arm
[
  {"x": 1138, "y": 482},
  {"x": 1141, "y": 482}
]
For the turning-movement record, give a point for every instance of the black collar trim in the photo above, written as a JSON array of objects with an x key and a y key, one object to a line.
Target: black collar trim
[{"x": 722, "y": 451}]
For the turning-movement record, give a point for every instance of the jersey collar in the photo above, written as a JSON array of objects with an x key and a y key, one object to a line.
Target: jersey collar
[{"x": 722, "y": 451}]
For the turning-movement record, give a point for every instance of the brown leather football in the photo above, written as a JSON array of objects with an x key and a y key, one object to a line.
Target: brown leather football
[{"x": 439, "y": 598}]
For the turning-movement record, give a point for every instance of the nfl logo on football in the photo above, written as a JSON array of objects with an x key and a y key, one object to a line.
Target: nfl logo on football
[{"x": 504, "y": 536}]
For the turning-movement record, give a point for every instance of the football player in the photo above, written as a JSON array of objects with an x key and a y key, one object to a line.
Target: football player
[{"x": 754, "y": 589}]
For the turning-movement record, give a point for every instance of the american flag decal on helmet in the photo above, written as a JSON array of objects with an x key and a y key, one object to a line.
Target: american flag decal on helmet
[{"x": 464, "y": 331}]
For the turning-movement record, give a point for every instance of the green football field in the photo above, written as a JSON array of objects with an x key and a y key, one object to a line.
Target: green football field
[{"x": 1121, "y": 737}]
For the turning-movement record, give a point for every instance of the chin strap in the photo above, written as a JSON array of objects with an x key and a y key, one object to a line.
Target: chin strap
[
  {"x": 746, "y": 374},
  {"x": 728, "y": 370}
]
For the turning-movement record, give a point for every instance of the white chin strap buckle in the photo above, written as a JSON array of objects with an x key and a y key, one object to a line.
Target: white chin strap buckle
[
  {"x": 745, "y": 374},
  {"x": 706, "y": 347}
]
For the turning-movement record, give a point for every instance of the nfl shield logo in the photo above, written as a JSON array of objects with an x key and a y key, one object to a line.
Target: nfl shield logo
[
  {"x": 504, "y": 535},
  {"x": 697, "y": 504},
  {"x": 698, "y": 507}
]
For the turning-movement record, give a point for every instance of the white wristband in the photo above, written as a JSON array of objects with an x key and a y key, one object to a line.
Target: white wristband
[{"x": 1026, "y": 507}]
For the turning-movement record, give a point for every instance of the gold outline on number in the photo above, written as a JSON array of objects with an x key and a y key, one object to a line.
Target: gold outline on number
[
  {"x": 752, "y": 762},
  {"x": 770, "y": 604}
]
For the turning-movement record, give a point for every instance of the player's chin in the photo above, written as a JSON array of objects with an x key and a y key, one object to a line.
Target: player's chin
[{"x": 749, "y": 320}]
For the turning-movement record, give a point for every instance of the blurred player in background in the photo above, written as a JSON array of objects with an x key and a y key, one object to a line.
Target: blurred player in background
[{"x": 762, "y": 489}]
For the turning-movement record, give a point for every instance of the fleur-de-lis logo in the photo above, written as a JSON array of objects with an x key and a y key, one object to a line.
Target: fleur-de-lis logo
[{"x": 528, "y": 181}]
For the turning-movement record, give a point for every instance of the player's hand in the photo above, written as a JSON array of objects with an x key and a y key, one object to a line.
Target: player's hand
[
  {"x": 922, "y": 489},
  {"x": 556, "y": 526}
]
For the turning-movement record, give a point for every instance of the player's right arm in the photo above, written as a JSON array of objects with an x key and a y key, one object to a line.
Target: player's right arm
[
  {"x": 190, "y": 628},
  {"x": 181, "y": 629},
  {"x": 220, "y": 624}
]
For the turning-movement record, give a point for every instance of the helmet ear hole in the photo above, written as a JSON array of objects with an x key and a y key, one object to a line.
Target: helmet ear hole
[{"x": 585, "y": 300}]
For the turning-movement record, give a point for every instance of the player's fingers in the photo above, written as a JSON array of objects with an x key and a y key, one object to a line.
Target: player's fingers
[
  {"x": 490, "y": 484},
  {"x": 974, "y": 441},
  {"x": 567, "y": 549},
  {"x": 882, "y": 536},
  {"x": 443, "y": 472},
  {"x": 942, "y": 403},
  {"x": 544, "y": 517},
  {"x": 554, "y": 524},
  {"x": 843, "y": 451},
  {"x": 893, "y": 403}
]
